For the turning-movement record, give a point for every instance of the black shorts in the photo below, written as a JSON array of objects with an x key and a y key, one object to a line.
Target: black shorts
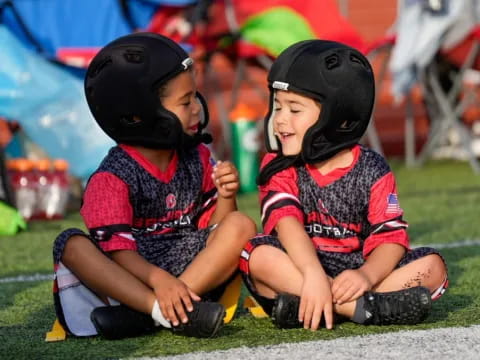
[
  {"x": 74, "y": 301},
  {"x": 332, "y": 262}
]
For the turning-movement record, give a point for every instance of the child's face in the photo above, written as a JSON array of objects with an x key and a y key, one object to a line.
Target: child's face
[
  {"x": 294, "y": 115},
  {"x": 179, "y": 98}
]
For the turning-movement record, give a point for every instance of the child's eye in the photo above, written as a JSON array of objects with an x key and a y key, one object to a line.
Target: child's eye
[
  {"x": 187, "y": 103},
  {"x": 277, "y": 108},
  {"x": 294, "y": 111}
]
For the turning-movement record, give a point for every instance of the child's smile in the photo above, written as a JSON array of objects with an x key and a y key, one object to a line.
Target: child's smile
[{"x": 193, "y": 129}]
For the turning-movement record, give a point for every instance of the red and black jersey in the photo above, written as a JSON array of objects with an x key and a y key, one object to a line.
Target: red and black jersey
[
  {"x": 130, "y": 204},
  {"x": 349, "y": 209}
]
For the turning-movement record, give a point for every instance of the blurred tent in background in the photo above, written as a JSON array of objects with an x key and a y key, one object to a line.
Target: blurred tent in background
[
  {"x": 49, "y": 104},
  {"x": 45, "y": 94},
  {"x": 52, "y": 26}
]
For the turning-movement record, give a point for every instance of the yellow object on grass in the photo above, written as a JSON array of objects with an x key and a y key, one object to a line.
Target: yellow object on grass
[
  {"x": 230, "y": 298},
  {"x": 254, "y": 308},
  {"x": 57, "y": 333}
]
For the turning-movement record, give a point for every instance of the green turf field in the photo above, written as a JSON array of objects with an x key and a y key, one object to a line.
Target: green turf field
[{"x": 441, "y": 203}]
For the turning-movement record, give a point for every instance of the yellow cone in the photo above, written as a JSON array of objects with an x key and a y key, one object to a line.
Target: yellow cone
[
  {"x": 230, "y": 298},
  {"x": 57, "y": 333},
  {"x": 254, "y": 308}
]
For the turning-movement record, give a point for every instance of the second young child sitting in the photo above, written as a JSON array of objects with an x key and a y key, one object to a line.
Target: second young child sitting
[{"x": 334, "y": 238}]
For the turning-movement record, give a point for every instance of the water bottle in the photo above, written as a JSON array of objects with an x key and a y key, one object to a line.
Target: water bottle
[
  {"x": 245, "y": 146},
  {"x": 43, "y": 185},
  {"x": 23, "y": 184},
  {"x": 60, "y": 190}
]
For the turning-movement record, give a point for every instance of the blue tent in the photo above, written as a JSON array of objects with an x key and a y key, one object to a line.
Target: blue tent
[
  {"x": 54, "y": 24},
  {"x": 46, "y": 99}
]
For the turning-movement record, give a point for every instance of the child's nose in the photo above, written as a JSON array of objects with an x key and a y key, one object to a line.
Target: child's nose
[
  {"x": 197, "y": 106},
  {"x": 280, "y": 118}
]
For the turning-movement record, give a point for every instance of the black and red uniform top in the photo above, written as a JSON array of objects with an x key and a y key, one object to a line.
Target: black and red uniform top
[
  {"x": 350, "y": 209},
  {"x": 129, "y": 204}
]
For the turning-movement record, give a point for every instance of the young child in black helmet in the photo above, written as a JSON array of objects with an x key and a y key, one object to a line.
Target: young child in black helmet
[
  {"x": 334, "y": 241},
  {"x": 165, "y": 236}
]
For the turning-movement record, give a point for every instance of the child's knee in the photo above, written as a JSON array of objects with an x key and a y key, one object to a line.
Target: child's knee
[
  {"x": 434, "y": 270},
  {"x": 262, "y": 258},
  {"x": 74, "y": 245},
  {"x": 242, "y": 224},
  {"x": 437, "y": 266}
]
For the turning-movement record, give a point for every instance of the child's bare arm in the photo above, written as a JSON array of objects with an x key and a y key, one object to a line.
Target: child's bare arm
[
  {"x": 173, "y": 295},
  {"x": 351, "y": 284},
  {"x": 225, "y": 178},
  {"x": 316, "y": 297}
]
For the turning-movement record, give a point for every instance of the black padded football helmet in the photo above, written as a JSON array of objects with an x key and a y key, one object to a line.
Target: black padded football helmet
[
  {"x": 123, "y": 81},
  {"x": 337, "y": 76},
  {"x": 341, "y": 79}
]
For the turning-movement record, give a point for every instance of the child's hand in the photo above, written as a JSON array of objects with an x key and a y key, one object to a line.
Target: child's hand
[
  {"x": 349, "y": 286},
  {"x": 316, "y": 301},
  {"x": 174, "y": 297},
  {"x": 225, "y": 177}
]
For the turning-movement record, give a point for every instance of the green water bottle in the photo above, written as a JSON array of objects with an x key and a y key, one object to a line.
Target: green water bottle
[{"x": 245, "y": 146}]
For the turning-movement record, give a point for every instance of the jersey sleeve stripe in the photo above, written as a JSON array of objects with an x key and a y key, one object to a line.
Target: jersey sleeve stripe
[
  {"x": 279, "y": 205},
  {"x": 277, "y": 200},
  {"x": 390, "y": 225},
  {"x": 104, "y": 233}
]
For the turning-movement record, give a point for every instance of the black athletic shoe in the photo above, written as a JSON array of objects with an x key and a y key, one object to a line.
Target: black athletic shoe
[
  {"x": 204, "y": 321},
  {"x": 118, "y": 322},
  {"x": 404, "y": 307},
  {"x": 285, "y": 311}
]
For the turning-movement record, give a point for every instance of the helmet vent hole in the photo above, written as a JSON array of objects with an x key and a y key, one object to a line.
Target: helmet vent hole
[
  {"x": 134, "y": 56},
  {"x": 332, "y": 61},
  {"x": 102, "y": 65},
  {"x": 356, "y": 59}
]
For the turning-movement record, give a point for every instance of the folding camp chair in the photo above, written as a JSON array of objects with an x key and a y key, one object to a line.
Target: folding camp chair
[
  {"x": 447, "y": 105},
  {"x": 429, "y": 34},
  {"x": 411, "y": 108}
]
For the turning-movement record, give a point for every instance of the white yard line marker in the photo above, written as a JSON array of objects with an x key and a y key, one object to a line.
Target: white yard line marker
[
  {"x": 438, "y": 344},
  {"x": 25, "y": 278},
  {"x": 462, "y": 243}
]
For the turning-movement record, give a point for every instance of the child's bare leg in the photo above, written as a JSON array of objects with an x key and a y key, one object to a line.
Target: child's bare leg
[
  {"x": 217, "y": 262},
  {"x": 104, "y": 276},
  {"x": 272, "y": 266},
  {"x": 428, "y": 271},
  {"x": 272, "y": 271}
]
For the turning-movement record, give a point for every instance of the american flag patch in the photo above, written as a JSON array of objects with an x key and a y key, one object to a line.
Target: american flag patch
[{"x": 392, "y": 204}]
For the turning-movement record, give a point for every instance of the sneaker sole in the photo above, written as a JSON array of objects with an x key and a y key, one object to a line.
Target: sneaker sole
[
  {"x": 281, "y": 306},
  {"x": 218, "y": 324}
]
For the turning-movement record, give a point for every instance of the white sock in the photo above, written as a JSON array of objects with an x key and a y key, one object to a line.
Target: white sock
[{"x": 157, "y": 316}]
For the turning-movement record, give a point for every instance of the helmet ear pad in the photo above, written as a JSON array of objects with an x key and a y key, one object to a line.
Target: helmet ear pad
[
  {"x": 168, "y": 127},
  {"x": 271, "y": 141},
  {"x": 321, "y": 140},
  {"x": 204, "y": 114},
  {"x": 164, "y": 128}
]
